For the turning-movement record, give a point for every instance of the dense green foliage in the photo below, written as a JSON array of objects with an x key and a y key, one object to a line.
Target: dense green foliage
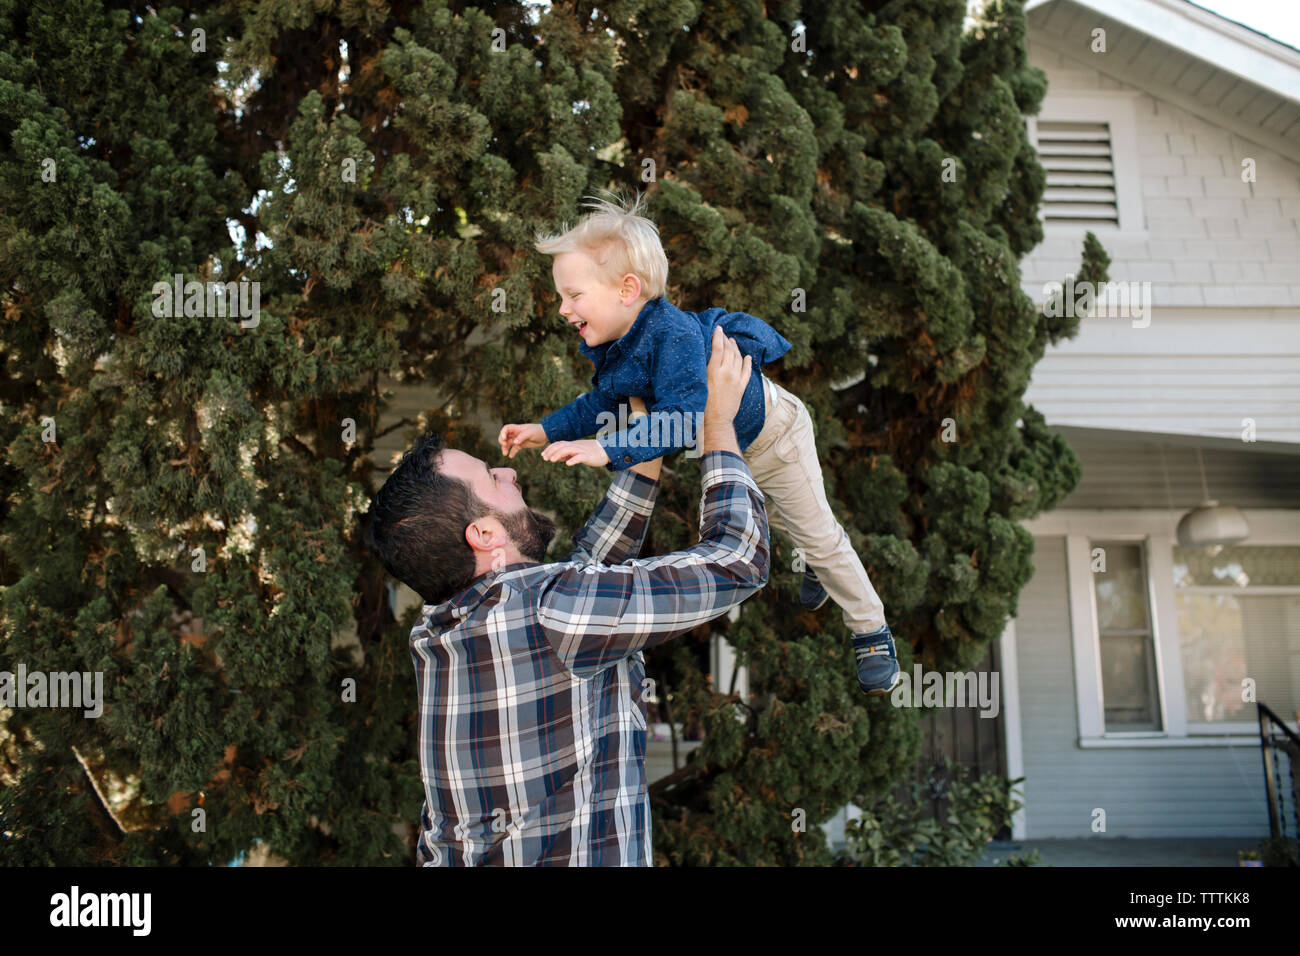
[{"x": 862, "y": 181}]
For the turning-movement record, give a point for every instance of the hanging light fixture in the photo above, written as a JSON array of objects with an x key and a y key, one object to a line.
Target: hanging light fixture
[{"x": 1210, "y": 523}]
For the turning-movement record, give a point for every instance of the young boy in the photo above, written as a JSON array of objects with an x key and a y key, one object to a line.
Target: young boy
[{"x": 611, "y": 272}]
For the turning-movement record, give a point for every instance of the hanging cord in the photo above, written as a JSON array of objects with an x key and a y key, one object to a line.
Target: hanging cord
[
  {"x": 1164, "y": 468},
  {"x": 1204, "y": 487}
]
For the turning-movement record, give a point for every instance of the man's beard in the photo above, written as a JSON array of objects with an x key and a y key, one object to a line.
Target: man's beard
[{"x": 530, "y": 530}]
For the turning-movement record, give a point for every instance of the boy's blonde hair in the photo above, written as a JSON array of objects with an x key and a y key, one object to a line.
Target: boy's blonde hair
[{"x": 619, "y": 239}]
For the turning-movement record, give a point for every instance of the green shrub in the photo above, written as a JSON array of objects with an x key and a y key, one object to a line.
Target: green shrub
[{"x": 893, "y": 833}]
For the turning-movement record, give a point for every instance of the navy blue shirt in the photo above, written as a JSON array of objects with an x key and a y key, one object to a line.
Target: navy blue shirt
[{"x": 663, "y": 360}]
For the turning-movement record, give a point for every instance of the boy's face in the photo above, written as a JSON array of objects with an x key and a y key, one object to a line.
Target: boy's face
[{"x": 600, "y": 312}]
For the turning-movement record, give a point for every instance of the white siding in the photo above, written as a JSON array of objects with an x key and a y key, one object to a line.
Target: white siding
[
  {"x": 1177, "y": 792},
  {"x": 1223, "y": 261},
  {"x": 1209, "y": 239}
]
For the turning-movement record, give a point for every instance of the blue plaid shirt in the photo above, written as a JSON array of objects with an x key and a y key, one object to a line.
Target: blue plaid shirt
[
  {"x": 532, "y": 718},
  {"x": 663, "y": 360}
]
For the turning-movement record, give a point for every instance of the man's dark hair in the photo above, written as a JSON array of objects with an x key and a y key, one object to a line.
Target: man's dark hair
[{"x": 417, "y": 524}]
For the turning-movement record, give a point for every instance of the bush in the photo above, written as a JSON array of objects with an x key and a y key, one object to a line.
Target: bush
[{"x": 890, "y": 833}]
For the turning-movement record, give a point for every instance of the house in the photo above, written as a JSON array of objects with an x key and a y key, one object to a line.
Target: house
[{"x": 1127, "y": 677}]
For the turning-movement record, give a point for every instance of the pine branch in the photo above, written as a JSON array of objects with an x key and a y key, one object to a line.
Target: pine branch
[{"x": 104, "y": 812}]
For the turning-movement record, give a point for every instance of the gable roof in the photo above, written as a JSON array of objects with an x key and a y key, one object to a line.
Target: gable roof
[{"x": 1202, "y": 62}]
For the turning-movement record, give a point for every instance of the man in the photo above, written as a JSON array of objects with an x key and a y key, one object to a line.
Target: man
[{"x": 530, "y": 676}]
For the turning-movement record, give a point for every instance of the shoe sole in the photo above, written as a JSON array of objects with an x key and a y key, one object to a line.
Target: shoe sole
[{"x": 881, "y": 693}]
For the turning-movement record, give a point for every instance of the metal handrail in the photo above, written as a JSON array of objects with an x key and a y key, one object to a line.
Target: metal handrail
[{"x": 1289, "y": 744}]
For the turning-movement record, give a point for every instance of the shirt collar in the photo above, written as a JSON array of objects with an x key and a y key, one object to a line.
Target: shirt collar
[
  {"x": 462, "y": 604},
  {"x": 629, "y": 338}
]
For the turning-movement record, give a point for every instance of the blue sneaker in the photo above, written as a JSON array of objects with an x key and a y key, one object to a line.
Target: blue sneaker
[
  {"x": 877, "y": 661},
  {"x": 811, "y": 594}
]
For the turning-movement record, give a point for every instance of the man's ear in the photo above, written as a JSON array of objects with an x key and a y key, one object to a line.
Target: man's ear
[{"x": 485, "y": 534}]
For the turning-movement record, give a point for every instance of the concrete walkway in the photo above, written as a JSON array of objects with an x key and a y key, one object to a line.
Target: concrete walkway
[{"x": 1123, "y": 851}]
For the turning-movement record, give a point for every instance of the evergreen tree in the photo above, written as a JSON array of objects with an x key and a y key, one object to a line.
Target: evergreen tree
[{"x": 184, "y": 493}]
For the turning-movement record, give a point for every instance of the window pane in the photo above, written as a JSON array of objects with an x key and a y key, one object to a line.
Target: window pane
[
  {"x": 1121, "y": 588},
  {"x": 1229, "y": 637},
  {"x": 1236, "y": 567},
  {"x": 1126, "y": 684}
]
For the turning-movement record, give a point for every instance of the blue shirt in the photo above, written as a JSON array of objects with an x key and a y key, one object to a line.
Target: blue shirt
[
  {"x": 663, "y": 360},
  {"x": 531, "y": 681}
]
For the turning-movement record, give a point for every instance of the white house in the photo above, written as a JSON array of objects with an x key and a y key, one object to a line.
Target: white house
[{"x": 1174, "y": 135}]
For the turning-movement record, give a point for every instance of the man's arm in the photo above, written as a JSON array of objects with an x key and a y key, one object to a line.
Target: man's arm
[
  {"x": 595, "y": 615},
  {"x": 616, "y": 529}
]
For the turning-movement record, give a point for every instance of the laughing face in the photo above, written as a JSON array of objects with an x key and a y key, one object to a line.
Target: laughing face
[{"x": 598, "y": 311}]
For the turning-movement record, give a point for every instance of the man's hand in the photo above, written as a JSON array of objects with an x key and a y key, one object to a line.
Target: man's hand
[
  {"x": 728, "y": 377},
  {"x": 515, "y": 437},
  {"x": 587, "y": 452}
]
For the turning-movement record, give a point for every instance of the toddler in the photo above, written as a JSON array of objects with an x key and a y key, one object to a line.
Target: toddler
[{"x": 611, "y": 272}]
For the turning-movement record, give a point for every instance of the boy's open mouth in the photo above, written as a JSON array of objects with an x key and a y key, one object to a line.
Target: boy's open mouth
[{"x": 581, "y": 326}]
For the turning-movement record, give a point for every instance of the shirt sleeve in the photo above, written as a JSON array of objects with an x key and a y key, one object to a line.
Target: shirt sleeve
[
  {"x": 579, "y": 418},
  {"x": 680, "y": 377},
  {"x": 596, "y": 615},
  {"x": 617, "y": 528}
]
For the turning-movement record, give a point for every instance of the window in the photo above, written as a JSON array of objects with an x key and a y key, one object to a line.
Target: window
[
  {"x": 1238, "y": 619},
  {"x": 1130, "y": 693},
  {"x": 1162, "y": 636}
]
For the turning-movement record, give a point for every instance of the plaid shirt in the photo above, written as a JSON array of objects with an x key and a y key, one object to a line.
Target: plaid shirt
[{"x": 532, "y": 717}]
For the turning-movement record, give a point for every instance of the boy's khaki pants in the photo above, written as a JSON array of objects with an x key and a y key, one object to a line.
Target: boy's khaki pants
[{"x": 783, "y": 461}]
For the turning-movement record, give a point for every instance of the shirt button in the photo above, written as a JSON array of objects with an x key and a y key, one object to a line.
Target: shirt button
[{"x": 627, "y": 459}]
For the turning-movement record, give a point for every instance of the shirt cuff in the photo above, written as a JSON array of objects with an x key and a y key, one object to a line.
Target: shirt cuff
[
  {"x": 720, "y": 466},
  {"x": 623, "y": 456},
  {"x": 633, "y": 492}
]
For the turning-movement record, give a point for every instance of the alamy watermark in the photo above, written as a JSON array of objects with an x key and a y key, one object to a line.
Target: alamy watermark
[
  {"x": 210, "y": 300},
  {"x": 947, "y": 689},
  {"x": 75, "y": 908},
  {"x": 674, "y": 429},
  {"x": 26, "y": 688},
  {"x": 1108, "y": 300}
]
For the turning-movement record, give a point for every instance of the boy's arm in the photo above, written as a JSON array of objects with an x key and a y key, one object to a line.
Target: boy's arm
[
  {"x": 596, "y": 615},
  {"x": 680, "y": 381},
  {"x": 579, "y": 418}
]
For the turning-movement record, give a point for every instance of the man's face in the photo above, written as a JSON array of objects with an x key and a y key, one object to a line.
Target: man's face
[
  {"x": 498, "y": 489},
  {"x": 594, "y": 308}
]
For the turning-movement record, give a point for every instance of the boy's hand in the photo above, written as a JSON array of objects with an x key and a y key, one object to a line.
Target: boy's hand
[
  {"x": 588, "y": 452},
  {"x": 515, "y": 437}
]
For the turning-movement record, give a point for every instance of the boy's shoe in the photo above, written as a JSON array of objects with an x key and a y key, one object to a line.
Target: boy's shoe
[
  {"x": 877, "y": 661},
  {"x": 811, "y": 594}
]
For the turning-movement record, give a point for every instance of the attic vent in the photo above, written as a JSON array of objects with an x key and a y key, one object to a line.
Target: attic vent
[{"x": 1080, "y": 173}]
